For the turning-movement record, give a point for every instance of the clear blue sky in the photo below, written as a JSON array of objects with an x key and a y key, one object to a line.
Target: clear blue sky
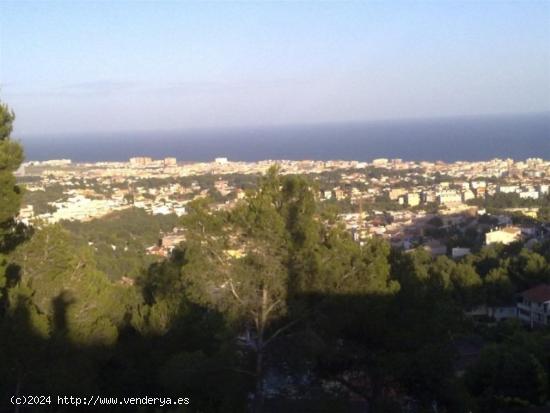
[{"x": 125, "y": 65}]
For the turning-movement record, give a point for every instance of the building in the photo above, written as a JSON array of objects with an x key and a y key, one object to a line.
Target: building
[
  {"x": 56, "y": 162},
  {"x": 339, "y": 194},
  {"x": 529, "y": 195},
  {"x": 467, "y": 195},
  {"x": 380, "y": 162},
  {"x": 458, "y": 252},
  {"x": 170, "y": 162},
  {"x": 240, "y": 194},
  {"x": 449, "y": 198},
  {"x": 533, "y": 306},
  {"x": 505, "y": 236},
  {"x": 435, "y": 248},
  {"x": 26, "y": 213},
  {"x": 171, "y": 241},
  {"x": 20, "y": 171},
  {"x": 140, "y": 161},
  {"x": 480, "y": 192},
  {"x": 508, "y": 189},
  {"x": 326, "y": 194},
  {"x": 478, "y": 184},
  {"x": 497, "y": 313},
  {"x": 161, "y": 210},
  {"x": 428, "y": 197},
  {"x": 395, "y": 193},
  {"x": 412, "y": 199},
  {"x": 221, "y": 160},
  {"x": 80, "y": 208}
]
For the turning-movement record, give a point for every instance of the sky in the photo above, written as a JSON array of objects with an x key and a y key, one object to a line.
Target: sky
[{"x": 86, "y": 67}]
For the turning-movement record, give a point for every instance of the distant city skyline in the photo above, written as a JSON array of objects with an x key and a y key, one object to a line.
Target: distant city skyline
[
  {"x": 77, "y": 67},
  {"x": 450, "y": 139}
]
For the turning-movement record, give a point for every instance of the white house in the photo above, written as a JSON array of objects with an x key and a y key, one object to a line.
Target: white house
[
  {"x": 459, "y": 252},
  {"x": 506, "y": 235},
  {"x": 534, "y": 306},
  {"x": 497, "y": 313}
]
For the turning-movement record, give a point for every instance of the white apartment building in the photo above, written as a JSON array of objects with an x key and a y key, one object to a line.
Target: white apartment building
[
  {"x": 140, "y": 161},
  {"x": 508, "y": 189},
  {"x": 505, "y": 236},
  {"x": 26, "y": 213},
  {"x": 498, "y": 313},
  {"x": 478, "y": 184},
  {"x": 449, "y": 198},
  {"x": 170, "y": 162},
  {"x": 326, "y": 194},
  {"x": 80, "y": 208},
  {"x": 533, "y": 306},
  {"x": 412, "y": 199},
  {"x": 467, "y": 195},
  {"x": 395, "y": 193},
  {"x": 380, "y": 162},
  {"x": 529, "y": 195}
]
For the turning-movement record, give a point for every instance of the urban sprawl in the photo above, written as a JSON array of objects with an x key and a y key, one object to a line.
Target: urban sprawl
[{"x": 394, "y": 199}]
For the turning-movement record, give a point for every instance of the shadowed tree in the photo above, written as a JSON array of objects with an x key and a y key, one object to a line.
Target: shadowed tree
[
  {"x": 238, "y": 262},
  {"x": 11, "y": 156}
]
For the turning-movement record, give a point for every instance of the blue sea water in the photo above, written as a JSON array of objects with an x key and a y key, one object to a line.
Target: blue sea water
[{"x": 448, "y": 139}]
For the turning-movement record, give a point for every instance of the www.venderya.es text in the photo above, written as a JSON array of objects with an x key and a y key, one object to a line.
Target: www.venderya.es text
[{"x": 96, "y": 400}]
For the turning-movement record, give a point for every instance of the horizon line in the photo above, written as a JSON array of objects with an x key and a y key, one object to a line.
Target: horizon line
[{"x": 288, "y": 125}]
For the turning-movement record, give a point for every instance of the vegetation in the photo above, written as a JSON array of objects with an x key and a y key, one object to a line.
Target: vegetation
[
  {"x": 120, "y": 239},
  {"x": 11, "y": 156},
  {"x": 270, "y": 306},
  {"x": 41, "y": 199},
  {"x": 502, "y": 200}
]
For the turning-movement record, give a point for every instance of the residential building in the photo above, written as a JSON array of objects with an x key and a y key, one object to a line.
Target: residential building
[
  {"x": 508, "y": 189},
  {"x": 380, "y": 162},
  {"x": 339, "y": 194},
  {"x": 170, "y": 162},
  {"x": 140, "y": 161},
  {"x": 467, "y": 195},
  {"x": 448, "y": 198},
  {"x": 506, "y": 235},
  {"x": 412, "y": 199},
  {"x": 533, "y": 306},
  {"x": 395, "y": 193},
  {"x": 529, "y": 195},
  {"x": 327, "y": 194},
  {"x": 458, "y": 252}
]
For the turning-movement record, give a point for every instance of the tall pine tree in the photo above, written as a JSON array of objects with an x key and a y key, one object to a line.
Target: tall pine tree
[{"x": 11, "y": 156}]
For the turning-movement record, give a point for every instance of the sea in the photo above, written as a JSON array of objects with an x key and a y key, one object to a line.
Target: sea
[{"x": 445, "y": 139}]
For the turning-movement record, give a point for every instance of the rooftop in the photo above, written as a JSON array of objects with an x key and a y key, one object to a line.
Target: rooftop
[{"x": 538, "y": 294}]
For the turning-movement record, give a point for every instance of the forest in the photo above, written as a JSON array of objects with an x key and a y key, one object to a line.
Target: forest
[{"x": 268, "y": 307}]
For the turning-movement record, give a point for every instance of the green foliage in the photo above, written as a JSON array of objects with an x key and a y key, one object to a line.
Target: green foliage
[
  {"x": 11, "y": 156},
  {"x": 502, "y": 200},
  {"x": 528, "y": 269},
  {"x": 275, "y": 287},
  {"x": 59, "y": 280},
  {"x": 119, "y": 240},
  {"x": 543, "y": 214},
  {"x": 40, "y": 200},
  {"x": 507, "y": 375},
  {"x": 498, "y": 287}
]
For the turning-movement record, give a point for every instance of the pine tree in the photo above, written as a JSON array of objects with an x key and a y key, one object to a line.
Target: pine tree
[{"x": 11, "y": 156}]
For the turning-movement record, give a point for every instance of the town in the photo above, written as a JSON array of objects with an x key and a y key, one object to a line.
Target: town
[
  {"x": 448, "y": 209},
  {"x": 265, "y": 207},
  {"x": 407, "y": 203},
  {"x": 455, "y": 215}
]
